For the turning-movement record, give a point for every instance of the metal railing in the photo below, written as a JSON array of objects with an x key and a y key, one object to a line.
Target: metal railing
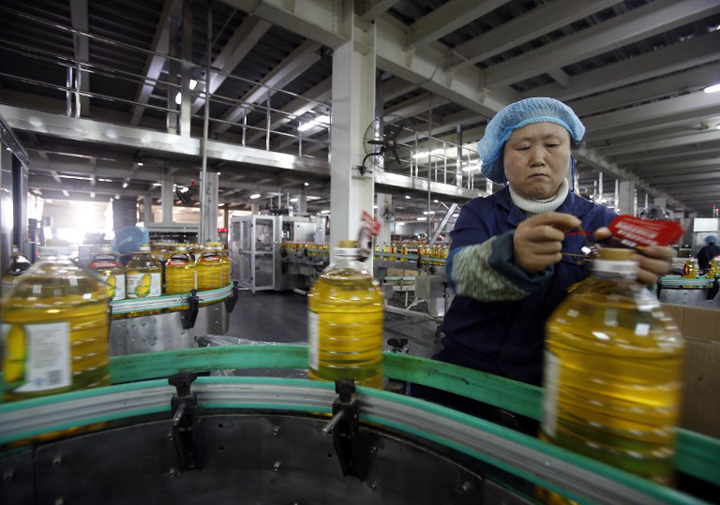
[{"x": 263, "y": 134}]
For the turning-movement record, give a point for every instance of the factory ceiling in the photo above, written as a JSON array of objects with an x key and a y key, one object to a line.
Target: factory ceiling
[{"x": 634, "y": 70}]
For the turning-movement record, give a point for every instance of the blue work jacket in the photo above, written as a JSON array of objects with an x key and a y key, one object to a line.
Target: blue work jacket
[{"x": 507, "y": 338}]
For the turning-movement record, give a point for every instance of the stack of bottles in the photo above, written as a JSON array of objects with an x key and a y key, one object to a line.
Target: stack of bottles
[
  {"x": 310, "y": 249},
  {"x": 613, "y": 374}
]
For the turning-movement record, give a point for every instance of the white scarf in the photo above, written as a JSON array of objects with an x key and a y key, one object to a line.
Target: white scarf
[{"x": 538, "y": 206}]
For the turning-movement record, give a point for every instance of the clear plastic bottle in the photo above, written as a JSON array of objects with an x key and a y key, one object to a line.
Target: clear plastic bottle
[
  {"x": 209, "y": 269},
  {"x": 55, "y": 329},
  {"x": 613, "y": 373},
  {"x": 107, "y": 265},
  {"x": 345, "y": 322},
  {"x": 180, "y": 272},
  {"x": 18, "y": 266},
  {"x": 144, "y": 275}
]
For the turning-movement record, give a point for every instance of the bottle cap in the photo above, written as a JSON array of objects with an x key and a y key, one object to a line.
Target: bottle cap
[{"x": 615, "y": 254}]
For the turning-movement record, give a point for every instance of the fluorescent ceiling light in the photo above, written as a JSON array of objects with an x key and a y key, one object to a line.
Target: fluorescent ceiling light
[
  {"x": 472, "y": 168},
  {"x": 293, "y": 200},
  {"x": 125, "y": 185},
  {"x": 407, "y": 197},
  {"x": 712, "y": 89},
  {"x": 400, "y": 224},
  {"x": 255, "y": 196},
  {"x": 429, "y": 212},
  {"x": 326, "y": 211},
  {"x": 374, "y": 206},
  {"x": 424, "y": 154},
  {"x": 307, "y": 184},
  {"x": 140, "y": 163},
  {"x": 422, "y": 219},
  {"x": 193, "y": 83}
]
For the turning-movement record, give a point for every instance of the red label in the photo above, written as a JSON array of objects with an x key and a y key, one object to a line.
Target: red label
[
  {"x": 371, "y": 223},
  {"x": 634, "y": 231}
]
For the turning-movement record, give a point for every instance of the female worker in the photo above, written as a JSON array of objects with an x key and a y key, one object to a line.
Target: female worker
[
  {"x": 708, "y": 252},
  {"x": 514, "y": 253}
]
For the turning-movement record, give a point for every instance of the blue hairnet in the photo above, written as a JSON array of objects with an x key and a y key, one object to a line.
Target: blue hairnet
[
  {"x": 711, "y": 239},
  {"x": 514, "y": 116}
]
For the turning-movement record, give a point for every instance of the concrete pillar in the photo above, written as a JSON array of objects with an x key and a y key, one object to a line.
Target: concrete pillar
[
  {"x": 209, "y": 214},
  {"x": 353, "y": 99},
  {"x": 302, "y": 201},
  {"x": 147, "y": 206},
  {"x": 186, "y": 69},
  {"x": 124, "y": 212},
  {"x": 384, "y": 203},
  {"x": 626, "y": 198},
  {"x": 167, "y": 196},
  {"x": 255, "y": 208}
]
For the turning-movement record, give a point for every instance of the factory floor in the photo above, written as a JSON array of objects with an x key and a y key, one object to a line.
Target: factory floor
[{"x": 270, "y": 316}]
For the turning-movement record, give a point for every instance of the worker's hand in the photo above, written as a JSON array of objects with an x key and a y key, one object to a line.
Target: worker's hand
[
  {"x": 653, "y": 261},
  {"x": 538, "y": 241}
]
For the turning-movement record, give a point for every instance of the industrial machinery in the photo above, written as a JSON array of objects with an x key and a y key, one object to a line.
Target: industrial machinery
[
  {"x": 262, "y": 259},
  {"x": 190, "y": 439}
]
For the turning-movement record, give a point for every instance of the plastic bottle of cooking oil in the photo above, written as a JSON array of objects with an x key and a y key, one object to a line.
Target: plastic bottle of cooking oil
[
  {"x": 18, "y": 266},
  {"x": 54, "y": 329},
  {"x": 144, "y": 275},
  {"x": 107, "y": 265},
  {"x": 345, "y": 322},
  {"x": 180, "y": 272},
  {"x": 691, "y": 269},
  {"x": 209, "y": 268},
  {"x": 613, "y": 371}
]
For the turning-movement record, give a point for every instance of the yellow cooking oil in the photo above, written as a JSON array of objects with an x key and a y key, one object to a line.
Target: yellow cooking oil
[
  {"x": 226, "y": 264},
  {"x": 107, "y": 265},
  {"x": 144, "y": 278},
  {"x": 180, "y": 272},
  {"x": 55, "y": 329},
  {"x": 345, "y": 322},
  {"x": 209, "y": 268},
  {"x": 613, "y": 374}
]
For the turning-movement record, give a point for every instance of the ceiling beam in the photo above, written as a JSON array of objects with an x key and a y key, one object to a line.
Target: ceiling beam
[
  {"x": 448, "y": 18},
  {"x": 238, "y": 46},
  {"x": 169, "y": 20},
  {"x": 681, "y": 82},
  {"x": 655, "y": 112},
  {"x": 678, "y": 165},
  {"x": 79, "y": 19},
  {"x": 687, "y": 179},
  {"x": 395, "y": 88},
  {"x": 682, "y": 154},
  {"x": 297, "y": 62},
  {"x": 375, "y": 8},
  {"x": 679, "y": 56},
  {"x": 319, "y": 20},
  {"x": 416, "y": 105},
  {"x": 522, "y": 29},
  {"x": 693, "y": 139},
  {"x": 651, "y": 19}
]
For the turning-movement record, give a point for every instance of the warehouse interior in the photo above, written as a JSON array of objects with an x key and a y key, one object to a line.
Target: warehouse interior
[{"x": 279, "y": 128}]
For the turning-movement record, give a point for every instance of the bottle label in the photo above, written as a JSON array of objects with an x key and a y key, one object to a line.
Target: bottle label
[
  {"x": 38, "y": 355},
  {"x": 119, "y": 287},
  {"x": 551, "y": 379},
  {"x": 144, "y": 285},
  {"x": 313, "y": 340}
]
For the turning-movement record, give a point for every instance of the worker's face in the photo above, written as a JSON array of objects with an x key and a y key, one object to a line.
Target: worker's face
[{"x": 537, "y": 159}]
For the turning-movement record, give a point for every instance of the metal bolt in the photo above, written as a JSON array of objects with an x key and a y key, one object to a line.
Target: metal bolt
[
  {"x": 465, "y": 487},
  {"x": 8, "y": 476},
  {"x": 57, "y": 461},
  {"x": 170, "y": 436},
  {"x": 173, "y": 472},
  {"x": 276, "y": 430},
  {"x": 276, "y": 466}
]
